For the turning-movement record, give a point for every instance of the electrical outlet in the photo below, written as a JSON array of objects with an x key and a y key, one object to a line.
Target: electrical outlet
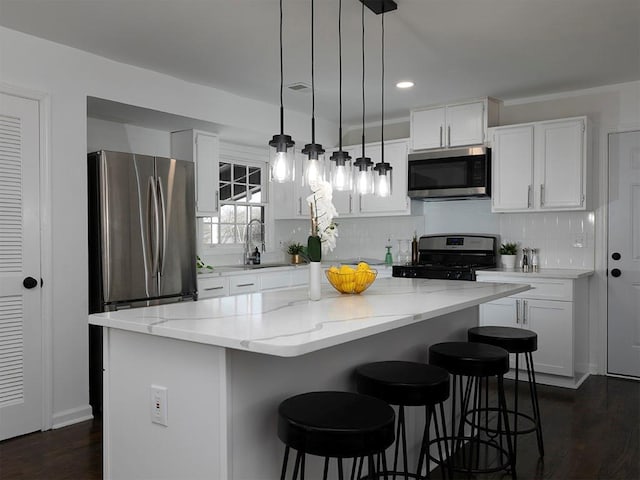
[{"x": 159, "y": 406}]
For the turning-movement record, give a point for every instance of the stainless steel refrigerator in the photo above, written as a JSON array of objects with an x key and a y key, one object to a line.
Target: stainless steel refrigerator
[{"x": 142, "y": 236}]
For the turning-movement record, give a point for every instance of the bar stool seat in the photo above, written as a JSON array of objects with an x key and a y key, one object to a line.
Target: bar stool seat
[
  {"x": 408, "y": 384},
  {"x": 517, "y": 341},
  {"x": 471, "y": 365},
  {"x": 334, "y": 425}
]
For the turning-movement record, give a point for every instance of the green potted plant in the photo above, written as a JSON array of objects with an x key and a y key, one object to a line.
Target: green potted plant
[
  {"x": 508, "y": 253},
  {"x": 296, "y": 250}
]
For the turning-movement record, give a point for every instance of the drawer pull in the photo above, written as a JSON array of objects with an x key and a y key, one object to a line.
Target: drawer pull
[
  {"x": 244, "y": 285},
  {"x": 213, "y": 288}
]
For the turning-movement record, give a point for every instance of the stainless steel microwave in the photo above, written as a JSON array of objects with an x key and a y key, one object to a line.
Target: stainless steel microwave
[{"x": 450, "y": 174}]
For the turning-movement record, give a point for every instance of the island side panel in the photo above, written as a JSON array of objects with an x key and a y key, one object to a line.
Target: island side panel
[
  {"x": 194, "y": 443},
  {"x": 258, "y": 383}
]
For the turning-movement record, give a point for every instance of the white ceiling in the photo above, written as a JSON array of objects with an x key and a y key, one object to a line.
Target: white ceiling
[{"x": 451, "y": 49}]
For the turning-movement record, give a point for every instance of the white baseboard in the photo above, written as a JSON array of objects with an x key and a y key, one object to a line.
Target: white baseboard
[{"x": 71, "y": 416}]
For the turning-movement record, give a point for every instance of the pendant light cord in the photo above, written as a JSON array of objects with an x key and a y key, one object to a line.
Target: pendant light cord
[
  {"x": 362, "y": 15},
  {"x": 382, "y": 102},
  {"x": 281, "y": 77},
  {"x": 340, "y": 70},
  {"x": 313, "y": 87}
]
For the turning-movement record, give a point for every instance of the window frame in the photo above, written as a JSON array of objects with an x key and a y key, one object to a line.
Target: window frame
[{"x": 250, "y": 157}]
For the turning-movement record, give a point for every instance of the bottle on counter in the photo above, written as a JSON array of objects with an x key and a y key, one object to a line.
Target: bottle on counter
[
  {"x": 414, "y": 249},
  {"x": 256, "y": 257},
  {"x": 525, "y": 259},
  {"x": 388, "y": 257},
  {"x": 534, "y": 259}
]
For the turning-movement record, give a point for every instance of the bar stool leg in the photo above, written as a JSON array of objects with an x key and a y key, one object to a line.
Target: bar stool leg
[
  {"x": 534, "y": 401},
  {"x": 515, "y": 408},
  {"x": 285, "y": 460},
  {"x": 502, "y": 405},
  {"x": 299, "y": 456}
]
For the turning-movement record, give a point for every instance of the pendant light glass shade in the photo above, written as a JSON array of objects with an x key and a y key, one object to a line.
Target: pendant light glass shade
[
  {"x": 340, "y": 171},
  {"x": 383, "y": 180},
  {"x": 281, "y": 159},
  {"x": 281, "y": 152},
  {"x": 314, "y": 165},
  {"x": 363, "y": 176}
]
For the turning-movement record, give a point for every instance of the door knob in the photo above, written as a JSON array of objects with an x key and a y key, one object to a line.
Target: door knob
[
  {"x": 615, "y": 256},
  {"x": 616, "y": 272},
  {"x": 30, "y": 282}
]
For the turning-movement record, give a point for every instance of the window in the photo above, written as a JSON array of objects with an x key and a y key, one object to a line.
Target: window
[{"x": 241, "y": 200}]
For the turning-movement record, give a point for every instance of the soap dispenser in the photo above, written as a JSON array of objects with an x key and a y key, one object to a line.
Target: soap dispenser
[{"x": 388, "y": 257}]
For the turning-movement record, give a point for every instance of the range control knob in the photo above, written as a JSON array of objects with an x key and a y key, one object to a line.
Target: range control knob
[{"x": 616, "y": 272}]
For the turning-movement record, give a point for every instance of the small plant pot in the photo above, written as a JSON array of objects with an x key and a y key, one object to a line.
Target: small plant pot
[
  {"x": 508, "y": 261},
  {"x": 296, "y": 259}
]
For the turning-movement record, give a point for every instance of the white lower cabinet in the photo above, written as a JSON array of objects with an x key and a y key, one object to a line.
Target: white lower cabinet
[
  {"x": 211, "y": 287},
  {"x": 556, "y": 309},
  {"x": 247, "y": 283}
]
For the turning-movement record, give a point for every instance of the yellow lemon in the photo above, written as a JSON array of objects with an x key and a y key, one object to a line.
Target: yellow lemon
[
  {"x": 363, "y": 266},
  {"x": 346, "y": 269},
  {"x": 333, "y": 269}
]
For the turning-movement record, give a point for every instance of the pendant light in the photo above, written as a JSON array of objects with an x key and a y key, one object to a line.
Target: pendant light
[
  {"x": 362, "y": 173},
  {"x": 340, "y": 173},
  {"x": 382, "y": 182},
  {"x": 314, "y": 167},
  {"x": 281, "y": 152}
]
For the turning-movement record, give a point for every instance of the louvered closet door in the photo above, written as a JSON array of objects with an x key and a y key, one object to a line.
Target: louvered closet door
[{"x": 20, "y": 316}]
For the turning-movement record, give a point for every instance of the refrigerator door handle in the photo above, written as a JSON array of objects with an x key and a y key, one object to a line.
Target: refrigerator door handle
[
  {"x": 154, "y": 227},
  {"x": 162, "y": 232}
]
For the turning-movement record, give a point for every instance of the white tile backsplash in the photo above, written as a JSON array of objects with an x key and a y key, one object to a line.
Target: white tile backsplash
[{"x": 357, "y": 237}]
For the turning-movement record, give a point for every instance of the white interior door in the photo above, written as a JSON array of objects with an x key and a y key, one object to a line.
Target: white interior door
[
  {"x": 623, "y": 282},
  {"x": 20, "y": 313}
]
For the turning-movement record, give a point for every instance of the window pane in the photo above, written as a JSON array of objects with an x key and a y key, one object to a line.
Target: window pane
[
  {"x": 227, "y": 214},
  {"x": 254, "y": 176},
  {"x": 225, "y": 172},
  {"x": 239, "y": 174},
  {"x": 256, "y": 195},
  {"x": 215, "y": 232},
  {"x": 256, "y": 213},
  {"x": 227, "y": 233},
  {"x": 239, "y": 192},
  {"x": 225, "y": 192},
  {"x": 241, "y": 215}
]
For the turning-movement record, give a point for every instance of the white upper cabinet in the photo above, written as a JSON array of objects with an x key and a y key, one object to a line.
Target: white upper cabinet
[
  {"x": 512, "y": 168},
  {"x": 454, "y": 125},
  {"x": 540, "y": 166},
  {"x": 203, "y": 148}
]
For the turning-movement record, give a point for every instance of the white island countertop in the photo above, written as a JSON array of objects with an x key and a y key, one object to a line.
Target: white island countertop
[
  {"x": 566, "y": 273},
  {"x": 286, "y": 323}
]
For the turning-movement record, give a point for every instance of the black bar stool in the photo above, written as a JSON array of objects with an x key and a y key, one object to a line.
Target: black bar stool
[
  {"x": 516, "y": 341},
  {"x": 336, "y": 425},
  {"x": 409, "y": 384},
  {"x": 474, "y": 449}
]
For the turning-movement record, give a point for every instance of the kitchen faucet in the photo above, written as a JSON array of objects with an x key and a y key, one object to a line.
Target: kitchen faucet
[{"x": 249, "y": 257}]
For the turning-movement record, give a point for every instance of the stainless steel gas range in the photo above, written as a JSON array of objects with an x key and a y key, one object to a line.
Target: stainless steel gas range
[{"x": 451, "y": 256}]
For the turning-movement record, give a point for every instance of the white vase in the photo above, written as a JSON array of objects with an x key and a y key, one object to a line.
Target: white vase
[
  {"x": 315, "y": 279},
  {"x": 508, "y": 261}
]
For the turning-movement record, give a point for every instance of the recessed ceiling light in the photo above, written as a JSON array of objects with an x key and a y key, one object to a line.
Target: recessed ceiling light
[{"x": 404, "y": 84}]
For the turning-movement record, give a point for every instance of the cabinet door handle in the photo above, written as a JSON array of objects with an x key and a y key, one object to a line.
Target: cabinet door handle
[
  {"x": 440, "y": 135},
  {"x": 350, "y": 207},
  {"x": 217, "y": 200},
  {"x": 299, "y": 205},
  {"x": 529, "y": 196},
  {"x": 517, "y": 311},
  {"x": 541, "y": 194},
  {"x": 524, "y": 312},
  {"x": 213, "y": 288},
  {"x": 448, "y": 135},
  {"x": 244, "y": 285}
]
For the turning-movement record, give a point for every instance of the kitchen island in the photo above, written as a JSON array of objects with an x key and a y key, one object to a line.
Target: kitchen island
[{"x": 226, "y": 364}]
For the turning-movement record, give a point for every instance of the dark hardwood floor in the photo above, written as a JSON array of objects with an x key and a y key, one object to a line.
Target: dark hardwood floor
[{"x": 590, "y": 433}]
